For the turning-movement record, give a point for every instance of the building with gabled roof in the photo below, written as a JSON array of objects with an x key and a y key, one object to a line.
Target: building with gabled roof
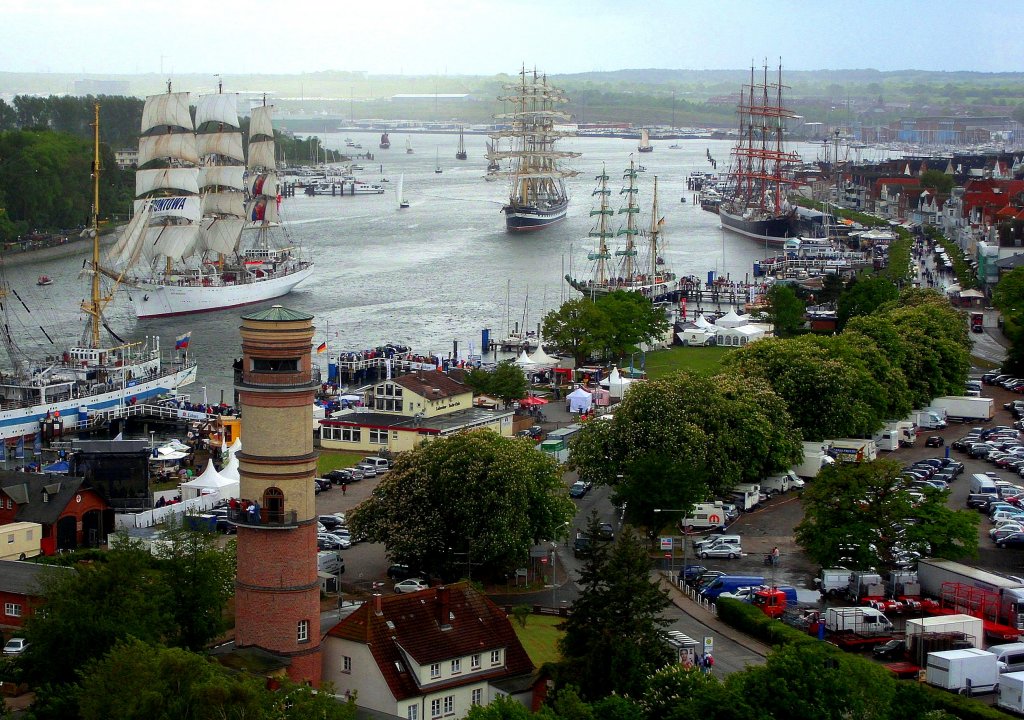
[
  {"x": 427, "y": 655},
  {"x": 21, "y": 588},
  {"x": 71, "y": 514}
]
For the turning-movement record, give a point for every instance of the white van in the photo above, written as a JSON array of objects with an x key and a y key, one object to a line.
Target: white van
[
  {"x": 705, "y": 516},
  {"x": 1009, "y": 656},
  {"x": 329, "y": 561},
  {"x": 983, "y": 484},
  {"x": 381, "y": 465}
]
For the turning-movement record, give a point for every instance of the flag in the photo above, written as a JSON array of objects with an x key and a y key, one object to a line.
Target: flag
[
  {"x": 19, "y": 449},
  {"x": 181, "y": 342},
  {"x": 322, "y": 347},
  {"x": 37, "y": 444}
]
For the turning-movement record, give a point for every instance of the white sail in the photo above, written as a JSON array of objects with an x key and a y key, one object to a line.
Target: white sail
[
  {"x": 181, "y": 208},
  {"x": 181, "y": 179},
  {"x": 224, "y": 203},
  {"x": 179, "y": 146},
  {"x": 226, "y": 144},
  {"x": 261, "y": 155},
  {"x": 169, "y": 241},
  {"x": 263, "y": 184},
  {"x": 166, "y": 110},
  {"x": 219, "y": 108},
  {"x": 398, "y": 190},
  {"x": 220, "y": 234},
  {"x": 128, "y": 242},
  {"x": 261, "y": 122},
  {"x": 232, "y": 176}
]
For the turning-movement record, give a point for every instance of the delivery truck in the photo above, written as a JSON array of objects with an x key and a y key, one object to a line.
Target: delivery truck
[
  {"x": 998, "y": 601},
  {"x": 967, "y": 671},
  {"x": 863, "y": 621},
  {"x": 815, "y": 458},
  {"x": 927, "y": 419},
  {"x": 853, "y": 450},
  {"x": 746, "y": 496},
  {"x": 960, "y": 408}
]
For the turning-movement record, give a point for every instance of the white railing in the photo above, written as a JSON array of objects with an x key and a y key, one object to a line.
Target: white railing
[
  {"x": 99, "y": 417},
  {"x": 149, "y": 518}
]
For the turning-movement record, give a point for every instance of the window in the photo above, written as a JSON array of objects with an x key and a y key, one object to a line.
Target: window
[
  {"x": 435, "y": 708},
  {"x": 495, "y": 657},
  {"x": 10, "y": 539},
  {"x": 412, "y": 713},
  {"x": 456, "y": 666},
  {"x": 275, "y": 365},
  {"x": 345, "y": 434},
  {"x": 435, "y": 670},
  {"x": 474, "y": 662},
  {"x": 303, "y": 634},
  {"x": 478, "y": 696},
  {"x": 449, "y": 704},
  {"x": 12, "y": 609},
  {"x": 346, "y": 664},
  {"x": 379, "y": 437}
]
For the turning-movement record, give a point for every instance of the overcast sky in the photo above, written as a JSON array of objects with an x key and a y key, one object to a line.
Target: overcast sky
[{"x": 484, "y": 37}]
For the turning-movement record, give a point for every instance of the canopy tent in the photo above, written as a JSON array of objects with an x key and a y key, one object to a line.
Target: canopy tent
[
  {"x": 236, "y": 446},
  {"x": 211, "y": 482},
  {"x": 524, "y": 360},
  {"x": 532, "y": 401},
  {"x": 166, "y": 454},
  {"x": 230, "y": 469},
  {"x": 580, "y": 401},
  {"x": 616, "y": 384},
  {"x": 731, "y": 320},
  {"x": 542, "y": 358},
  {"x": 702, "y": 322},
  {"x": 972, "y": 294},
  {"x": 58, "y": 468}
]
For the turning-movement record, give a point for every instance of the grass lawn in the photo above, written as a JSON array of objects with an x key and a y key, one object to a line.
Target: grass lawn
[
  {"x": 330, "y": 460},
  {"x": 698, "y": 360},
  {"x": 539, "y": 637}
]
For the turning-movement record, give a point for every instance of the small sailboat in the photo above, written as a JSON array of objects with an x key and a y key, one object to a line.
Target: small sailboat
[
  {"x": 402, "y": 202},
  {"x": 408, "y": 145},
  {"x": 385, "y": 142},
  {"x": 460, "y": 154},
  {"x": 44, "y": 280},
  {"x": 437, "y": 161},
  {"x": 645, "y": 142}
]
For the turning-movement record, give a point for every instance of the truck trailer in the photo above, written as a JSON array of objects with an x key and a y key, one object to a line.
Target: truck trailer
[
  {"x": 966, "y": 409},
  {"x": 853, "y": 450},
  {"x": 998, "y": 601}
]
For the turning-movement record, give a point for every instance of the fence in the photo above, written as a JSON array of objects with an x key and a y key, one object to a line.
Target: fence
[
  {"x": 691, "y": 592},
  {"x": 149, "y": 518}
]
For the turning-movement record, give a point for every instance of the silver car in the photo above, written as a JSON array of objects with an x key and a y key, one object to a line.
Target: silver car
[{"x": 721, "y": 550}]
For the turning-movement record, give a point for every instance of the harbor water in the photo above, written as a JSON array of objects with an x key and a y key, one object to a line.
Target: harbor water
[{"x": 436, "y": 272}]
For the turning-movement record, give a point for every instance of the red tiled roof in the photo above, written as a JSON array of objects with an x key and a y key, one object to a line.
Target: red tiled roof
[
  {"x": 477, "y": 626},
  {"x": 424, "y": 384}
]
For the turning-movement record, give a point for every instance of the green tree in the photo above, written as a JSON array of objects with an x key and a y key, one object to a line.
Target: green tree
[
  {"x": 633, "y": 320},
  {"x": 577, "y": 327},
  {"x": 814, "y": 681},
  {"x": 785, "y": 310},
  {"x": 863, "y": 296},
  {"x": 937, "y": 181},
  {"x": 1008, "y": 297},
  {"x": 614, "y": 639},
  {"x": 864, "y": 514},
  {"x": 679, "y": 693},
  {"x": 475, "y": 497},
  {"x": 507, "y": 382}
]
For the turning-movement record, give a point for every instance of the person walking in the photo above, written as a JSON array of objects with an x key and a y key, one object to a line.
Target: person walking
[
  {"x": 344, "y": 489},
  {"x": 775, "y": 555}
]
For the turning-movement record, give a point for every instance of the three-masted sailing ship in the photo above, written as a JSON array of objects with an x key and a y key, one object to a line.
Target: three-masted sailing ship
[
  {"x": 461, "y": 153},
  {"x": 756, "y": 204},
  {"x": 638, "y": 266},
  {"x": 50, "y": 394},
  {"x": 537, "y": 197},
  {"x": 200, "y": 198}
]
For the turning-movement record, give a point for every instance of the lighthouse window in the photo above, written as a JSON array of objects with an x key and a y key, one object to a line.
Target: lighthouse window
[
  {"x": 303, "y": 634},
  {"x": 273, "y": 365}
]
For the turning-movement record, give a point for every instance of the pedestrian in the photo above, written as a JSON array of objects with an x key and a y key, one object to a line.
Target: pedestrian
[
  {"x": 775, "y": 555},
  {"x": 344, "y": 489},
  {"x": 709, "y": 662}
]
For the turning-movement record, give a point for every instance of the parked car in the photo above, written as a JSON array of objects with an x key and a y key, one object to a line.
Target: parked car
[
  {"x": 346, "y": 475},
  {"x": 330, "y": 522},
  {"x": 581, "y": 546},
  {"x": 892, "y": 650},
  {"x": 411, "y": 585},
  {"x": 934, "y": 441},
  {"x": 1014, "y": 540},
  {"x": 579, "y": 489},
  {"x": 331, "y": 541},
  {"x": 369, "y": 471},
  {"x": 324, "y": 483},
  {"x": 15, "y": 646},
  {"x": 401, "y": 571},
  {"x": 690, "y": 573},
  {"x": 606, "y": 532},
  {"x": 722, "y": 550}
]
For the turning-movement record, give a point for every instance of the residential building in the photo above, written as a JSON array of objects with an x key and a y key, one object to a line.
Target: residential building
[
  {"x": 428, "y": 655},
  {"x": 71, "y": 515},
  {"x": 21, "y": 585}
]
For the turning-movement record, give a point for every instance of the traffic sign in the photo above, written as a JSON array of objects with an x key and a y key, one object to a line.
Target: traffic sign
[
  {"x": 666, "y": 543},
  {"x": 709, "y": 645}
]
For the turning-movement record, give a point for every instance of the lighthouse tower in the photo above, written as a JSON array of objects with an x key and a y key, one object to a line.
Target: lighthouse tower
[{"x": 277, "y": 591}]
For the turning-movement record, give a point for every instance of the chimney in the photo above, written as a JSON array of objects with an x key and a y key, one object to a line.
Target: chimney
[
  {"x": 443, "y": 605},
  {"x": 378, "y": 605}
]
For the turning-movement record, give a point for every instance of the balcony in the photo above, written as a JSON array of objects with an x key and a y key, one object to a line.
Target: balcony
[
  {"x": 278, "y": 380},
  {"x": 267, "y": 519}
]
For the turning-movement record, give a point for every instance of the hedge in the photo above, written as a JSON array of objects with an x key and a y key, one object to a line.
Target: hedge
[{"x": 751, "y": 621}]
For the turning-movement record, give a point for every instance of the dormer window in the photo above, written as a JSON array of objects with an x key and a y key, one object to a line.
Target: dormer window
[{"x": 435, "y": 671}]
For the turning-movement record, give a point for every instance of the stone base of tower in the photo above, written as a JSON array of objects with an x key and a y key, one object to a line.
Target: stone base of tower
[{"x": 277, "y": 588}]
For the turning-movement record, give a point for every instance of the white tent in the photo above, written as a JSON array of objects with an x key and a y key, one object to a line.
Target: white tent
[
  {"x": 616, "y": 384},
  {"x": 542, "y": 358},
  {"x": 702, "y": 322},
  {"x": 211, "y": 482},
  {"x": 580, "y": 400},
  {"x": 524, "y": 360},
  {"x": 236, "y": 446},
  {"x": 731, "y": 320},
  {"x": 230, "y": 469}
]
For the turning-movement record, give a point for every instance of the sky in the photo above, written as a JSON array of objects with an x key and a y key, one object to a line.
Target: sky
[{"x": 485, "y": 37}]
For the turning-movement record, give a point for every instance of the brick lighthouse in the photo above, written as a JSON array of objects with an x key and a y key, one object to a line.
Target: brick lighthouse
[{"x": 277, "y": 590}]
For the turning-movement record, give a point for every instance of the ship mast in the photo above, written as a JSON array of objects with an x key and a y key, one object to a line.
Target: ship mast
[
  {"x": 601, "y": 231},
  {"x": 630, "y": 231},
  {"x": 654, "y": 233},
  {"x": 97, "y": 301}
]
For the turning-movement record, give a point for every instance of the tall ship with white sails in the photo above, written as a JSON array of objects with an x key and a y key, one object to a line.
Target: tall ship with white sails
[
  {"x": 199, "y": 200},
  {"x": 537, "y": 196},
  {"x": 52, "y": 392},
  {"x": 639, "y": 266},
  {"x": 756, "y": 204}
]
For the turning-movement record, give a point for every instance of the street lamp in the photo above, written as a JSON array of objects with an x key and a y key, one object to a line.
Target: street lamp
[{"x": 554, "y": 561}]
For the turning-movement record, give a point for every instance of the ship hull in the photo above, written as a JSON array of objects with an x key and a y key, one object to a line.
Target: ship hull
[
  {"x": 529, "y": 219},
  {"x": 157, "y": 300},
  {"x": 772, "y": 231},
  {"x": 22, "y": 422}
]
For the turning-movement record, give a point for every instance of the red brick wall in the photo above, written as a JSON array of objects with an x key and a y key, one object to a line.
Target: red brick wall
[
  {"x": 7, "y": 515},
  {"x": 26, "y": 608},
  {"x": 273, "y": 567}
]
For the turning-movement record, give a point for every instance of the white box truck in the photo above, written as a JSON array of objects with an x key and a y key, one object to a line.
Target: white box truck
[
  {"x": 746, "y": 496},
  {"x": 1011, "y": 692},
  {"x": 815, "y": 458},
  {"x": 705, "y": 516},
  {"x": 857, "y": 620},
  {"x": 928, "y": 419},
  {"x": 971, "y": 628},
  {"x": 969, "y": 671},
  {"x": 966, "y": 409},
  {"x": 853, "y": 450},
  {"x": 775, "y": 484},
  {"x": 887, "y": 440}
]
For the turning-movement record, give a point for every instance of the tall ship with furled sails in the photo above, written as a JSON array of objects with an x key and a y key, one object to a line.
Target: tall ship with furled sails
[
  {"x": 48, "y": 394},
  {"x": 201, "y": 237},
  {"x": 756, "y": 204},
  {"x": 639, "y": 265},
  {"x": 537, "y": 196}
]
